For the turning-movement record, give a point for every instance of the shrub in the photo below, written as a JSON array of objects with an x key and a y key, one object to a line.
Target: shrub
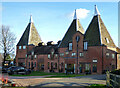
[{"x": 117, "y": 72}]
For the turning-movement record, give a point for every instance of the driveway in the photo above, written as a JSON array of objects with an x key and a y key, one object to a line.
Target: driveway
[{"x": 39, "y": 81}]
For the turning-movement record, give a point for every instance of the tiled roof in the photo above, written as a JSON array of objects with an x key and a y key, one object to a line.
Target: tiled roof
[
  {"x": 44, "y": 49},
  {"x": 30, "y": 36},
  {"x": 74, "y": 27},
  {"x": 70, "y": 32},
  {"x": 97, "y": 34},
  {"x": 92, "y": 34}
]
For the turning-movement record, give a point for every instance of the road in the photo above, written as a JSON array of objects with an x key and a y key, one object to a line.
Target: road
[{"x": 39, "y": 81}]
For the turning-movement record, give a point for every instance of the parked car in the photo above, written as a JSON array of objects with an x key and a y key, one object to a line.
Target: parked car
[
  {"x": 4, "y": 69},
  {"x": 18, "y": 70}
]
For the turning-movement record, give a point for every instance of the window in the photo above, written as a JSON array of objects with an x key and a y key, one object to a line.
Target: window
[
  {"x": 81, "y": 54},
  {"x": 29, "y": 64},
  {"x": 35, "y": 56},
  {"x": 48, "y": 56},
  {"x": 107, "y": 55},
  {"x": 94, "y": 68},
  {"x": 32, "y": 52},
  {"x": 95, "y": 61},
  {"x": 61, "y": 54},
  {"x": 19, "y": 47},
  {"x": 56, "y": 55},
  {"x": 24, "y": 47},
  {"x": 35, "y": 64},
  {"x": 113, "y": 56},
  {"x": 55, "y": 65},
  {"x": 26, "y": 55},
  {"x": 29, "y": 56},
  {"x": 70, "y": 46},
  {"x": 73, "y": 54},
  {"x": 42, "y": 67},
  {"x": 67, "y": 52},
  {"x": 48, "y": 65},
  {"x": 85, "y": 45},
  {"x": 87, "y": 67}
]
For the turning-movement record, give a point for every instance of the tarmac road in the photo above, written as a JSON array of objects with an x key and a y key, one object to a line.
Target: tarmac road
[{"x": 75, "y": 82}]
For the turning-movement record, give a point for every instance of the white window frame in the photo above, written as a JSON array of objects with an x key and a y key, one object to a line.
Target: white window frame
[
  {"x": 81, "y": 54},
  {"x": 20, "y": 47},
  {"x": 26, "y": 55},
  {"x": 32, "y": 52},
  {"x": 73, "y": 54},
  {"x": 48, "y": 56},
  {"x": 113, "y": 56},
  {"x": 107, "y": 54},
  {"x": 67, "y": 52},
  {"x": 35, "y": 56},
  {"x": 70, "y": 46},
  {"x": 61, "y": 54},
  {"x": 56, "y": 55},
  {"x": 24, "y": 47},
  {"x": 85, "y": 45}
]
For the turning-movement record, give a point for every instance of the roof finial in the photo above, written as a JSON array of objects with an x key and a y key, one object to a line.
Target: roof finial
[
  {"x": 75, "y": 14},
  {"x": 31, "y": 20},
  {"x": 96, "y": 11}
]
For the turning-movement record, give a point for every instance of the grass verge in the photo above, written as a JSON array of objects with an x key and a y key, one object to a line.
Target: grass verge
[
  {"x": 97, "y": 86},
  {"x": 53, "y": 75}
]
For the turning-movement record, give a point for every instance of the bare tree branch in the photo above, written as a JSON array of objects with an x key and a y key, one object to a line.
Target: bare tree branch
[{"x": 7, "y": 41}]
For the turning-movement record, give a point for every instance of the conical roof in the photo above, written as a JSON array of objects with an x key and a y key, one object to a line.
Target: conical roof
[
  {"x": 74, "y": 27},
  {"x": 30, "y": 35},
  {"x": 96, "y": 33}
]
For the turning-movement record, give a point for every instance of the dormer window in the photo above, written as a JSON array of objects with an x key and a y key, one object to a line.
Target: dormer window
[
  {"x": 85, "y": 45},
  {"x": 24, "y": 47},
  {"x": 70, "y": 46},
  {"x": 19, "y": 47}
]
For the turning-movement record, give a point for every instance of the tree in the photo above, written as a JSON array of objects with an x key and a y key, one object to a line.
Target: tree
[{"x": 7, "y": 42}]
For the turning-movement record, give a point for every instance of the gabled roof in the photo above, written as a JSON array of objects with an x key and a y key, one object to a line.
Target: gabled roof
[
  {"x": 96, "y": 33},
  {"x": 74, "y": 27},
  {"x": 30, "y": 35}
]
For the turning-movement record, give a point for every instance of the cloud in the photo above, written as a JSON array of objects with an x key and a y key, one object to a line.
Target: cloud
[{"x": 81, "y": 13}]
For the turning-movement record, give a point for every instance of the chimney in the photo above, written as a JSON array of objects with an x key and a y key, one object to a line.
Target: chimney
[
  {"x": 41, "y": 44},
  {"x": 50, "y": 43},
  {"x": 59, "y": 42}
]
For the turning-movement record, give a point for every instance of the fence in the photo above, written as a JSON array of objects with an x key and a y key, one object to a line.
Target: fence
[{"x": 113, "y": 80}]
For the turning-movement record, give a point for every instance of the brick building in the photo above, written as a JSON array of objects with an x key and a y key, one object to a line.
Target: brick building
[{"x": 92, "y": 51}]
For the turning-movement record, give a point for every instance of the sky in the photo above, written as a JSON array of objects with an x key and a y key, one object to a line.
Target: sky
[{"x": 52, "y": 19}]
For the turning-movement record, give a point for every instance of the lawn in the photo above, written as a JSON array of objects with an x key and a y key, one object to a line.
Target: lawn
[
  {"x": 52, "y": 75},
  {"x": 97, "y": 86}
]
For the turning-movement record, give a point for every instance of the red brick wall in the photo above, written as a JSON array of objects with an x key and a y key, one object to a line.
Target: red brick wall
[
  {"x": 21, "y": 53},
  {"x": 93, "y": 53}
]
